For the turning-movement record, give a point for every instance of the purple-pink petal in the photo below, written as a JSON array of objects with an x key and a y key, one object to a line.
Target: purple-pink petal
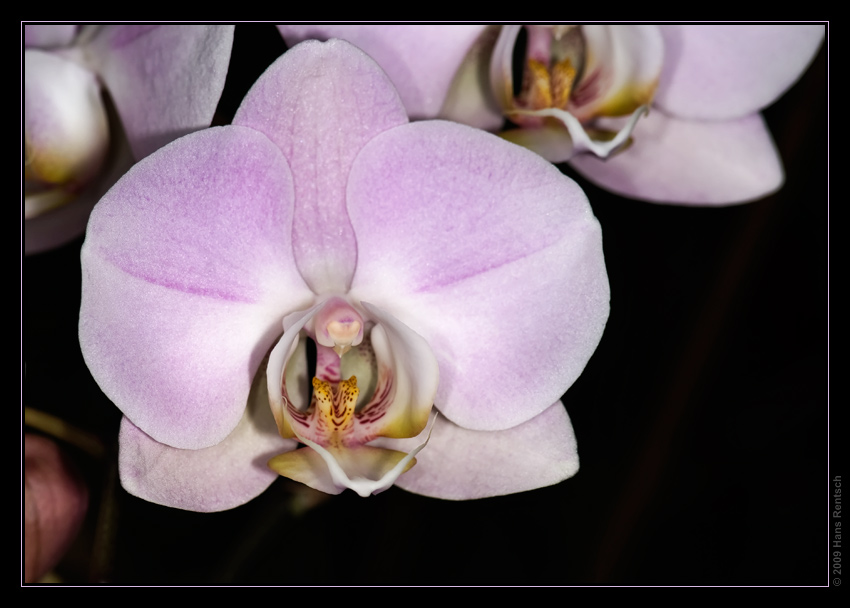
[
  {"x": 48, "y": 35},
  {"x": 490, "y": 254},
  {"x": 166, "y": 80},
  {"x": 460, "y": 464},
  {"x": 720, "y": 72},
  {"x": 335, "y": 100},
  {"x": 421, "y": 60},
  {"x": 219, "y": 477},
  {"x": 65, "y": 126},
  {"x": 187, "y": 273},
  {"x": 691, "y": 162}
]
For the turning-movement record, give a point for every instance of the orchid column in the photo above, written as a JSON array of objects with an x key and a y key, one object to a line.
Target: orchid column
[{"x": 435, "y": 267}]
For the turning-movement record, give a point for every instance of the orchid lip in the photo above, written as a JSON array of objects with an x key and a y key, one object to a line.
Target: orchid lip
[
  {"x": 363, "y": 486},
  {"x": 577, "y": 76},
  {"x": 581, "y": 140}
]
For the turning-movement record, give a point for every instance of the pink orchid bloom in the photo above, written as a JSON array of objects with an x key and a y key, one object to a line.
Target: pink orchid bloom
[
  {"x": 164, "y": 81},
  {"x": 667, "y": 113},
  {"x": 430, "y": 265}
]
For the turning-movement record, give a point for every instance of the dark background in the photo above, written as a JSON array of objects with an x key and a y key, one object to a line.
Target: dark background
[{"x": 702, "y": 419}]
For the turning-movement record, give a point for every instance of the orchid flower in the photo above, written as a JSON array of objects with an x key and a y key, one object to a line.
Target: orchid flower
[
  {"x": 429, "y": 267},
  {"x": 665, "y": 113},
  {"x": 164, "y": 81},
  {"x": 55, "y": 503}
]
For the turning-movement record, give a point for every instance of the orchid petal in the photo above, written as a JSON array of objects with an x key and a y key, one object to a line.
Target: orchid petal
[
  {"x": 621, "y": 71},
  {"x": 501, "y": 66},
  {"x": 461, "y": 464},
  {"x": 166, "y": 80},
  {"x": 277, "y": 370},
  {"x": 220, "y": 477},
  {"x": 718, "y": 72},
  {"x": 415, "y": 376},
  {"x": 336, "y": 100},
  {"x": 421, "y": 60},
  {"x": 449, "y": 221},
  {"x": 65, "y": 126},
  {"x": 691, "y": 162},
  {"x": 187, "y": 274},
  {"x": 48, "y": 35},
  {"x": 470, "y": 99}
]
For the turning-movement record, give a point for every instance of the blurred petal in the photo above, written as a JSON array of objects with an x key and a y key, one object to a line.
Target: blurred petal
[
  {"x": 460, "y": 464},
  {"x": 421, "y": 60},
  {"x": 320, "y": 103},
  {"x": 58, "y": 227},
  {"x": 691, "y": 162},
  {"x": 65, "y": 128},
  {"x": 220, "y": 477},
  {"x": 44, "y": 36},
  {"x": 621, "y": 70},
  {"x": 490, "y": 254},
  {"x": 552, "y": 141},
  {"x": 55, "y": 502},
  {"x": 67, "y": 222},
  {"x": 166, "y": 80},
  {"x": 501, "y": 66},
  {"x": 719, "y": 72},
  {"x": 187, "y": 273},
  {"x": 470, "y": 99}
]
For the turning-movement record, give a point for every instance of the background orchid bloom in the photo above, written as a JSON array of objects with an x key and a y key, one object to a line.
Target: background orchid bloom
[
  {"x": 55, "y": 503},
  {"x": 163, "y": 81},
  {"x": 435, "y": 263},
  {"x": 585, "y": 93}
]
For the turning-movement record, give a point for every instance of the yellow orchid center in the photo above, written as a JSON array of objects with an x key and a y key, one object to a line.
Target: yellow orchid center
[
  {"x": 545, "y": 87},
  {"x": 335, "y": 409}
]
